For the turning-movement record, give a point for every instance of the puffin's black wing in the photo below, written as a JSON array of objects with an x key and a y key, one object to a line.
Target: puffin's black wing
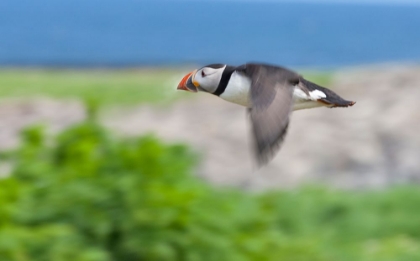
[
  {"x": 272, "y": 100},
  {"x": 331, "y": 99}
]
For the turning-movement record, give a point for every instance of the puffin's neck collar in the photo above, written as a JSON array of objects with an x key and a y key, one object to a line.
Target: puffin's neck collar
[{"x": 227, "y": 73}]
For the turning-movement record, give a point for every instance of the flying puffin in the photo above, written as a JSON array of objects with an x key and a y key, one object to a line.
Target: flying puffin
[{"x": 270, "y": 93}]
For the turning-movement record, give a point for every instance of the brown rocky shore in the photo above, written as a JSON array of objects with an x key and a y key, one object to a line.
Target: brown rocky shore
[{"x": 373, "y": 144}]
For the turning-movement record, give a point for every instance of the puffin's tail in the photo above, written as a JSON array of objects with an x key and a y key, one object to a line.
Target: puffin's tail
[{"x": 332, "y": 100}]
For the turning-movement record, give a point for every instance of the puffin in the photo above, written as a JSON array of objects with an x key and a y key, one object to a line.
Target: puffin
[{"x": 270, "y": 93}]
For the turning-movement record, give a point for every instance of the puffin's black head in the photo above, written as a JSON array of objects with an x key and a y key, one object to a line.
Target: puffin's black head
[{"x": 204, "y": 79}]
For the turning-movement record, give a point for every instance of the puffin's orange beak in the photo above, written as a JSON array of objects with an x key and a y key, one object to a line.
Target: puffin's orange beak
[{"x": 187, "y": 84}]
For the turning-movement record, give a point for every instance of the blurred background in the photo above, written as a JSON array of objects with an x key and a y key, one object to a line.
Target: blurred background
[{"x": 102, "y": 159}]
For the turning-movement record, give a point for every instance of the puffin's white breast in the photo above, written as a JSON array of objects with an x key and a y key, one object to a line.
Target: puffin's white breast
[{"x": 237, "y": 90}]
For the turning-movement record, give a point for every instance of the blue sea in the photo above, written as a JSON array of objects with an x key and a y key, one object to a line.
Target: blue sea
[{"x": 157, "y": 32}]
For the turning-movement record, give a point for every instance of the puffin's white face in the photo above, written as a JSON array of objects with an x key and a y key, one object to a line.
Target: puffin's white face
[{"x": 205, "y": 79}]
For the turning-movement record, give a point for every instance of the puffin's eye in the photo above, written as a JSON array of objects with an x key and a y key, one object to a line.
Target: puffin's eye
[{"x": 203, "y": 74}]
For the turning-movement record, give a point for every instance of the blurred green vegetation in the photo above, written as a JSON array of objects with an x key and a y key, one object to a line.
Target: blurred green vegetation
[
  {"x": 107, "y": 87},
  {"x": 323, "y": 78},
  {"x": 90, "y": 196}
]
